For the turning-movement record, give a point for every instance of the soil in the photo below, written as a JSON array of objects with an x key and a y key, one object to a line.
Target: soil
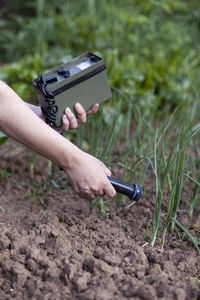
[{"x": 50, "y": 249}]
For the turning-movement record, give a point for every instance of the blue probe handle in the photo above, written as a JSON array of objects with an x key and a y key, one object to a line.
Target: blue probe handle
[{"x": 134, "y": 192}]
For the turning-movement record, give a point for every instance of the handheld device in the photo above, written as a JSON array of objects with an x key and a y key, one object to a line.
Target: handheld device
[{"x": 83, "y": 79}]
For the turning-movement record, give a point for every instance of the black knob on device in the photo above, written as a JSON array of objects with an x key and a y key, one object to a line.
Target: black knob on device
[{"x": 134, "y": 192}]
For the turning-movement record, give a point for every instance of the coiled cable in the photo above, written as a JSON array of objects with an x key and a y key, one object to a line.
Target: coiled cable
[{"x": 51, "y": 110}]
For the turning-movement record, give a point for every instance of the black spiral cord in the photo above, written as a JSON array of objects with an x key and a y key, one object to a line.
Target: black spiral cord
[{"x": 49, "y": 112}]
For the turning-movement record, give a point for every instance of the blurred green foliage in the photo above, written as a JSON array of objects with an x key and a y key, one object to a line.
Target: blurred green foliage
[{"x": 151, "y": 48}]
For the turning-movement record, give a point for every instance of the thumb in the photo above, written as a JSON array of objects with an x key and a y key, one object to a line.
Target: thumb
[{"x": 109, "y": 190}]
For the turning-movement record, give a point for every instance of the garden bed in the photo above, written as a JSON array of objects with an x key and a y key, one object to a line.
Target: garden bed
[{"x": 50, "y": 249}]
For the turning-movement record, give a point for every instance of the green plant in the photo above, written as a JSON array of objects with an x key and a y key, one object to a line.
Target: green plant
[
  {"x": 3, "y": 138},
  {"x": 2, "y": 209},
  {"x": 194, "y": 241}
]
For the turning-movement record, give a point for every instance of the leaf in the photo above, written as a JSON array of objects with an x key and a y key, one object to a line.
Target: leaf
[{"x": 3, "y": 138}]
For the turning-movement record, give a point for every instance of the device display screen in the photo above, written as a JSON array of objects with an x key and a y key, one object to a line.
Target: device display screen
[{"x": 83, "y": 65}]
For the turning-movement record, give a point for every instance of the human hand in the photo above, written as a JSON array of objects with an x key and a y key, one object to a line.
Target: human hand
[
  {"x": 88, "y": 176},
  {"x": 70, "y": 121}
]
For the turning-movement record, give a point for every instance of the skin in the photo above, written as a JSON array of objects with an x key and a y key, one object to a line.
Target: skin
[
  {"x": 69, "y": 121},
  {"x": 87, "y": 174}
]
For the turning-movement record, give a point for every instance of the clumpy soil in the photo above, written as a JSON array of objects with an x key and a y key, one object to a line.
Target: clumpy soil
[{"x": 50, "y": 249}]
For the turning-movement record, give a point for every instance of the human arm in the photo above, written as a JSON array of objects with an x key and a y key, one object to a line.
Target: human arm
[{"x": 87, "y": 174}]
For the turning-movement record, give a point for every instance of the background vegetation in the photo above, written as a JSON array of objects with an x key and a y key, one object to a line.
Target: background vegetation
[{"x": 151, "y": 49}]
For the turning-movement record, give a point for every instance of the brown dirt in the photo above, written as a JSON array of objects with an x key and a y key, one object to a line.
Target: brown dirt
[{"x": 49, "y": 249}]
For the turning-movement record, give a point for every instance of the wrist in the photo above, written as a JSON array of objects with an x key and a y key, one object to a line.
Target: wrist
[{"x": 70, "y": 157}]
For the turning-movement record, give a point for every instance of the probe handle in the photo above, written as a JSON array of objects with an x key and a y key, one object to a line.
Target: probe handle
[{"x": 134, "y": 192}]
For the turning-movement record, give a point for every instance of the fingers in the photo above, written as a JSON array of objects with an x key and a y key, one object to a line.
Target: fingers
[
  {"x": 94, "y": 109},
  {"x": 81, "y": 113},
  {"x": 91, "y": 193},
  {"x": 69, "y": 120},
  {"x": 65, "y": 123},
  {"x": 109, "y": 190},
  {"x": 87, "y": 194},
  {"x": 105, "y": 188}
]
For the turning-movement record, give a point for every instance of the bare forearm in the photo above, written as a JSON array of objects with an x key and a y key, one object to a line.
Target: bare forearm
[{"x": 21, "y": 123}]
